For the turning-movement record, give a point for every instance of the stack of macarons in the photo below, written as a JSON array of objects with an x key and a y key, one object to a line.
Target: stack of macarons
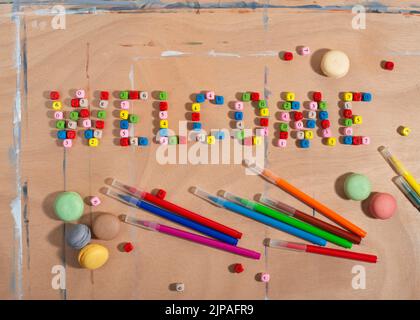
[{"x": 69, "y": 206}]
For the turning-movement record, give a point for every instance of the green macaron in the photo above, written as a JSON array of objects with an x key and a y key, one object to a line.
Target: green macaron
[
  {"x": 357, "y": 187},
  {"x": 68, "y": 206}
]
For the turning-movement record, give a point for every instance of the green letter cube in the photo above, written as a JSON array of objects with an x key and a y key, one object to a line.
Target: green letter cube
[
  {"x": 284, "y": 127},
  {"x": 173, "y": 140},
  {"x": 262, "y": 104},
  {"x": 133, "y": 118},
  {"x": 246, "y": 97},
  {"x": 101, "y": 114},
  {"x": 60, "y": 124},
  {"x": 348, "y": 122},
  {"x": 322, "y": 105},
  {"x": 287, "y": 105},
  {"x": 163, "y": 95},
  {"x": 74, "y": 115},
  {"x": 124, "y": 95}
]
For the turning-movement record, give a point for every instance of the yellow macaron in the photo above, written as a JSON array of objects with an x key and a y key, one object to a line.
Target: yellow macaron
[{"x": 93, "y": 256}]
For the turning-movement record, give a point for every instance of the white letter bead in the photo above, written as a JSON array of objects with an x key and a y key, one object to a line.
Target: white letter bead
[
  {"x": 179, "y": 287},
  {"x": 80, "y": 93},
  {"x": 134, "y": 141},
  {"x": 71, "y": 124},
  {"x": 347, "y": 105},
  {"x": 239, "y": 124},
  {"x": 312, "y": 114},
  {"x": 201, "y": 137},
  {"x": 97, "y": 134},
  {"x": 300, "y": 135},
  {"x": 103, "y": 104},
  {"x": 144, "y": 95},
  {"x": 84, "y": 103}
]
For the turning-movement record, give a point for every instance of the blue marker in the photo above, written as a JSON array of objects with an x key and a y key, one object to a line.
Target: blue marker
[
  {"x": 259, "y": 217},
  {"x": 135, "y": 202}
]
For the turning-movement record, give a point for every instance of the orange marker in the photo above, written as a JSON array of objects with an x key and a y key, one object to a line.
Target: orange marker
[{"x": 283, "y": 184}]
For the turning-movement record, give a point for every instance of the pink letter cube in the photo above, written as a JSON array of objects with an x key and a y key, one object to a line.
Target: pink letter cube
[
  {"x": 163, "y": 115},
  {"x": 285, "y": 116},
  {"x": 366, "y": 140},
  {"x": 163, "y": 140},
  {"x": 124, "y": 133},
  {"x": 95, "y": 201},
  {"x": 67, "y": 143},
  {"x": 58, "y": 115},
  {"x": 239, "y": 105},
  {"x": 210, "y": 95},
  {"x": 282, "y": 143},
  {"x": 125, "y": 105},
  {"x": 326, "y": 133},
  {"x": 265, "y": 277},
  {"x": 80, "y": 93},
  {"x": 313, "y": 105}
]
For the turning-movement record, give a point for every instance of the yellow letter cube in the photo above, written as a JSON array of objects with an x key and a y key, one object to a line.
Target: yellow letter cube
[
  {"x": 56, "y": 105},
  {"x": 405, "y": 131},
  {"x": 290, "y": 96},
  {"x": 264, "y": 112},
  {"x": 124, "y": 114},
  {"x": 211, "y": 139},
  {"x": 309, "y": 134},
  {"x": 93, "y": 142},
  {"x": 195, "y": 107},
  {"x": 256, "y": 140},
  {"x": 348, "y": 96},
  {"x": 163, "y": 124},
  {"x": 357, "y": 119},
  {"x": 331, "y": 142}
]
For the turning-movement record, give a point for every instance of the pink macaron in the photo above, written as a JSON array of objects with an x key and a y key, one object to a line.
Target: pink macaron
[{"x": 382, "y": 205}]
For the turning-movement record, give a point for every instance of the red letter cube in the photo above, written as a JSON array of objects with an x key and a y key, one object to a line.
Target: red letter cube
[
  {"x": 133, "y": 95},
  {"x": 128, "y": 247},
  {"x": 99, "y": 124},
  {"x": 357, "y": 96},
  {"x": 325, "y": 124},
  {"x": 297, "y": 115},
  {"x": 195, "y": 116},
  {"x": 71, "y": 134},
  {"x": 264, "y": 122},
  {"x": 84, "y": 113},
  {"x": 161, "y": 194},
  {"x": 75, "y": 103},
  {"x": 163, "y": 106},
  {"x": 54, "y": 95},
  {"x": 347, "y": 113},
  {"x": 288, "y": 56},
  {"x": 317, "y": 96},
  {"x": 104, "y": 95},
  {"x": 357, "y": 140},
  {"x": 255, "y": 96},
  {"x": 238, "y": 268},
  {"x": 124, "y": 142},
  {"x": 284, "y": 135},
  {"x": 389, "y": 65}
]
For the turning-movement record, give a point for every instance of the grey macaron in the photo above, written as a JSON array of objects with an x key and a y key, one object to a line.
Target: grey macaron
[{"x": 78, "y": 236}]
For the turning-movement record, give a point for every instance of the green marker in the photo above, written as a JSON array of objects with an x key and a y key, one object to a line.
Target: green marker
[{"x": 289, "y": 220}]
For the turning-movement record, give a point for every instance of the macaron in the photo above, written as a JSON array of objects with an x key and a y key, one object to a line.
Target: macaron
[
  {"x": 382, "y": 205},
  {"x": 106, "y": 226},
  {"x": 78, "y": 236},
  {"x": 335, "y": 64},
  {"x": 68, "y": 206},
  {"x": 93, "y": 256},
  {"x": 357, "y": 187}
]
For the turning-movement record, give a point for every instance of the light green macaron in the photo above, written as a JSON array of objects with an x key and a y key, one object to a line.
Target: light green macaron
[
  {"x": 68, "y": 206},
  {"x": 357, "y": 187}
]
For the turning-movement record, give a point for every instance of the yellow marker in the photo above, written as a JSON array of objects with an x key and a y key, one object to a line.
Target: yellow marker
[
  {"x": 93, "y": 142},
  {"x": 405, "y": 131},
  {"x": 264, "y": 112},
  {"x": 124, "y": 114},
  {"x": 195, "y": 107},
  {"x": 331, "y": 142},
  {"x": 163, "y": 124},
  {"x": 357, "y": 120},
  {"x": 290, "y": 96},
  {"x": 309, "y": 134},
  {"x": 348, "y": 96},
  {"x": 256, "y": 140},
  {"x": 211, "y": 139},
  {"x": 56, "y": 105},
  {"x": 400, "y": 169}
]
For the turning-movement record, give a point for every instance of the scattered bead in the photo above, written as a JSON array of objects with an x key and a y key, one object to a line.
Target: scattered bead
[
  {"x": 347, "y": 113},
  {"x": 256, "y": 140},
  {"x": 265, "y": 277},
  {"x": 238, "y": 268},
  {"x": 255, "y": 96},
  {"x": 61, "y": 134},
  {"x": 298, "y": 125},
  {"x": 163, "y": 106},
  {"x": 88, "y": 134},
  {"x": 144, "y": 95},
  {"x": 284, "y": 127},
  {"x": 182, "y": 140},
  {"x": 201, "y": 137},
  {"x": 124, "y": 133},
  {"x": 163, "y": 95},
  {"x": 388, "y": 65},
  {"x": 125, "y": 105},
  {"x": 317, "y": 96},
  {"x": 143, "y": 141},
  {"x": 128, "y": 246},
  {"x": 163, "y": 132},
  {"x": 87, "y": 123},
  {"x": 262, "y": 132},
  {"x": 97, "y": 134},
  {"x": 288, "y": 56},
  {"x": 179, "y": 287},
  {"x": 173, "y": 140},
  {"x": 103, "y": 104},
  {"x": 348, "y": 140},
  {"x": 304, "y": 51},
  {"x": 133, "y": 118},
  {"x": 285, "y": 116},
  {"x": 84, "y": 103},
  {"x": 95, "y": 201},
  {"x": 284, "y": 135},
  {"x": 163, "y": 140},
  {"x": 300, "y": 135},
  {"x": 71, "y": 134},
  {"x": 163, "y": 114},
  {"x": 246, "y": 97},
  {"x": 80, "y": 93},
  {"x": 247, "y": 141},
  {"x": 161, "y": 194},
  {"x": 84, "y": 113},
  {"x": 211, "y": 140},
  {"x": 239, "y": 115},
  {"x": 163, "y": 124},
  {"x": 366, "y": 96},
  {"x": 104, "y": 95},
  {"x": 357, "y": 140},
  {"x": 323, "y": 115},
  {"x": 326, "y": 133},
  {"x": 58, "y": 115},
  {"x": 123, "y": 95},
  {"x": 404, "y": 131},
  {"x": 347, "y": 105},
  {"x": 60, "y": 124},
  {"x": 295, "y": 105},
  {"x": 72, "y": 124},
  {"x": 322, "y": 105},
  {"x": 348, "y": 122},
  {"x": 365, "y": 140},
  {"x": 196, "y": 126},
  {"x": 297, "y": 115},
  {"x": 99, "y": 124},
  {"x": 133, "y": 95},
  {"x": 262, "y": 104},
  {"x": 312, "y": 114},
  {"x": 219, "y": 135},
  {"x": 263, "y": 122},
  {"x": 195, "y": 116},
  {"x": 348, "y": 96},
  {"x": 309, "y": 134},
  {"x": 74, "y": 115},
  {"x": 134, "y": 141},
  {"x": 325, "y": 124},
  {"x": 357, "y": 96},
  {"x": 310, "y": 124},
  {"x": 287, "y": 105},
  {"x": 264, "y": 112}
]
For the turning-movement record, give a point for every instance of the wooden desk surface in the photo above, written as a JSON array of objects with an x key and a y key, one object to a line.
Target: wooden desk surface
[{"x": 229, "y": 50}]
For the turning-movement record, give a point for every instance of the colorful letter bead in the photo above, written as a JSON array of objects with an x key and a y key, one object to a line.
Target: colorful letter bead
[
  {"x": 262, "y": 104},
  {"x": 86, "y": 123},
  {"x": 101, "y": 114},
  {"x": 84, "y": 103},
  {"x": 287, "y": 105},
  {"x": 295, "y": 105},
  {"x": 284, "y": 116},
  {"x": 124, "y": 142},
  {"x": 312, "y": 114},
  {"x": 104, "y": 95},
  {"x": 282, "y": 143},
  {"x": 88, "y": 134},
  {"x": 304, "y": 51},
  {"x": 311, "y": 124},
  {"x": 284, "y": 127},
  {"x": 298, "y": 125},
  {"x": 163, "y": 123},
  {"x": 261, "y": 132},
  {"x": 143, "y": 141},
  {"x": 125, "y": 104},
  {"x": 124, "y": 114},
  {"x": 290, "y": 96},
  {"x": 163, "y": 140},
  {"x": 95, "y": 201},
  {"x": 265, "y": 277},
  {"x": 163, "y": 106},
  {"x": 297, "y": 115},
  {"x": 123, "y": 95},
  {"x": 80, "y": 93},
  {"x": 317, "y": 96},
  {"x": 246, "y": 97},
  {"x": 309, "y": 134},
  {"x": 357, "y": 96},
  {"x": 97, "y": 134},
  {"x": 264, "y": 122},
  {"x": 74, "y": 115},
  {"x": 239, "y": 105},
  {"x": 173, "y": 140},
  {"x": 71, "y": 134},
  {"x": 326, "y": 133},
  {"x": 366, "y": 96},
  {"x": 357, "y": 140},
  {"x": 239, "y": 115},
  {"x": 300, "y": 135},
  {"x": 255, "y": 96},
  {"x": 99, "y": 124},
  {"x": 58, "y": 115},
  {"x": 405, "y": 131},
  {"x": 348, "y": 96},
  {"x": 133, "y": 118},
  {"x": 84, "y": 113},
  {"x": 196, "y": 126},
  {"x": 288, "y": 56},
  {"x": 200, "y": 98},
  {"x": 313, "y": 105},
  {"x": 56, "y": 105},
  {"x": 75, "y": 103},
  {"x": 347, "y": 105},
  {"x": 60, "y": 124},
  {"x": 163, "y": 114},
  {"x": 54, "y": 95},
  {"x": 144, "y": 95},
  {"x": 357, "y": 120},
  {"x": 182, "y": 140},
  {"x": 67, "y": 143},
  {"x": 304, "y": 143},
  {"x": 331, "y": 142},
  {"x": 124, "y": 133},
  {"x": 348, "y": 140},
  {"x": 133, "y": 95},
  {"x": 71, "y": 124},
  {"x": 325, "y": 124},
  {"x": 134, "y": 141},
  {"x": 210, "y": 95},
  {"x": 365, "y": 140},
  {"x": 103, "y": 104},
  {"x": 61, "y": 134},
  {"x": 347, "y": 113},
  {"x": 322, "y": 105},
  {"x": 123, "y": 124},
  {"x": 256, "y": 140},
  {"x": 388, "y": 65},
  {"x": 195, "y": 116},
  {"x": 284, "y": 135},
  {"x": 240, "y": 124},
  {"x": 219, "y": 99},
  {"x": 348, "y": 122},
  {"x": 264, "y": 112},
  {"x": 195, "y": 107},
  {"x": 163, "y": 95},
  {"x": 323, "y": 115}
]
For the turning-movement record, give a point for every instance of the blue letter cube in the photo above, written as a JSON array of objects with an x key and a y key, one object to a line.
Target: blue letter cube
[
  {"x": 200, "y": 98},
  {"x": 61, "y": 134},
  {"x": 347, "y": 140},
  {"x": 323, "y": 115},
  {"x": 219, "y": 100},
  {"x": 163, "y": 132},
  {"x": 88, "y": 134},
  {"x": 310, "y": 124},
  {"x": 124, "y": 124},
  {"x": 304, "y": 143},
  {"x": 143, "y": 141},
  {"x": 220, "y": 135},
  {"x": 295, "y": 105},
  {"x": 366, "y": 96},
  {"x": 239, "y": 115},
  {"x": 196, "y": 126}
]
